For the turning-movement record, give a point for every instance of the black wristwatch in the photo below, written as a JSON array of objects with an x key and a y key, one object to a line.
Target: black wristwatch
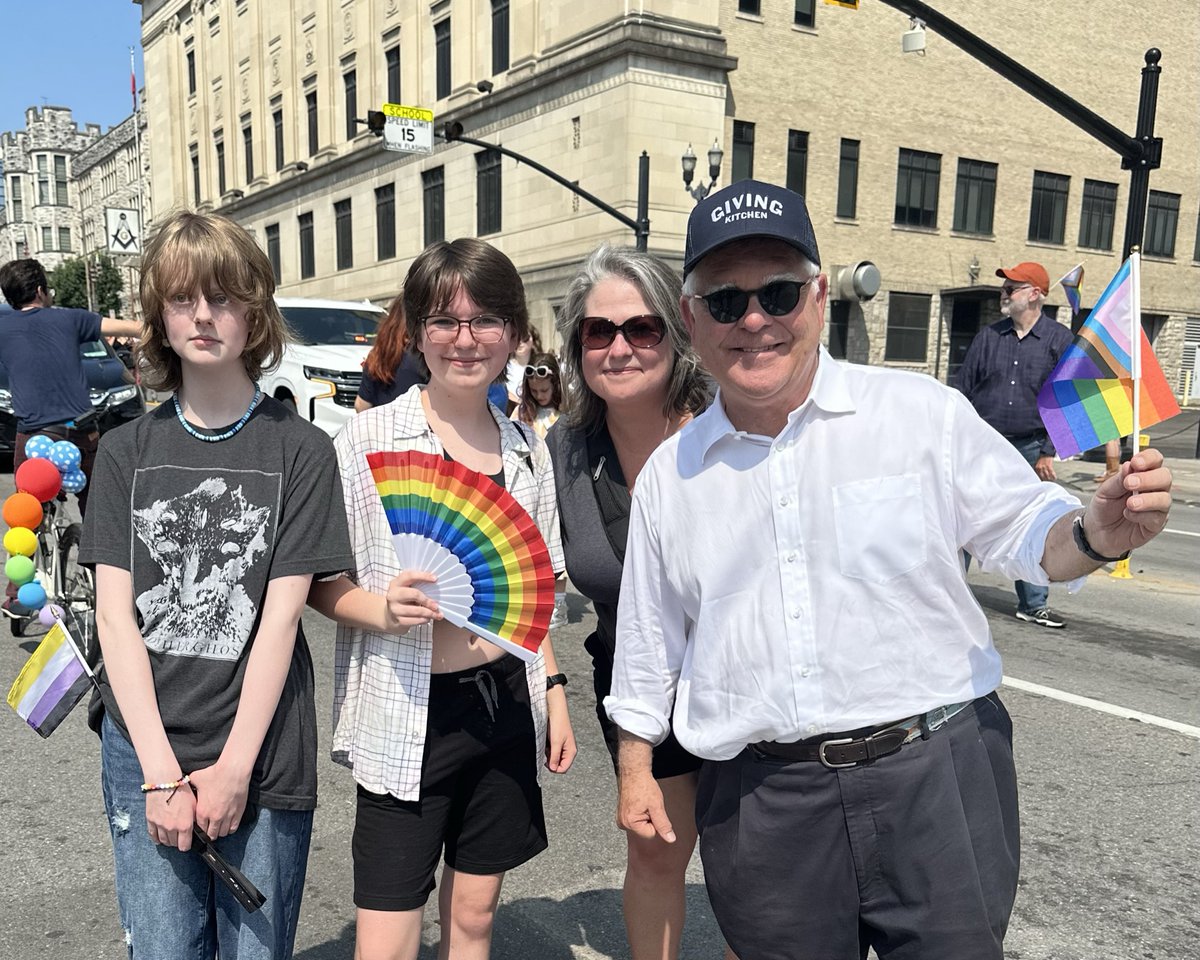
[
  {"x": 555, "y": 680},
  {"x": 1085, "y": 548}
]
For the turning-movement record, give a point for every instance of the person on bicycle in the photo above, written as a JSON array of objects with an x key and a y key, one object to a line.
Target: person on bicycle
[
  {"x": 211, "y": 515},
  {"x": 39, "y": 349}
]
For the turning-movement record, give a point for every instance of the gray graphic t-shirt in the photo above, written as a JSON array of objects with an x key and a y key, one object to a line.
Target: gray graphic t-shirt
[{"x": 203, "y": 528}]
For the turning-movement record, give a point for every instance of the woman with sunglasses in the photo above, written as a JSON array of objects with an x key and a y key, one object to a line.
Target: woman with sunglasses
[
  {"x": 445, "y": 732},
  {"x": 631, "y": 381},
  {"x": 541, "y": 394}
]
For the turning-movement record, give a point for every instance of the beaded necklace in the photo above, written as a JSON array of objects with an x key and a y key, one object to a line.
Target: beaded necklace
[{"x": 209, "y": 438}]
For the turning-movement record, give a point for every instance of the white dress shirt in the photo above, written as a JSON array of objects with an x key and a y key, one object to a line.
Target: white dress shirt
[
  {"x": 780, "y": 588},
  {"x": 380, "y": 680}
]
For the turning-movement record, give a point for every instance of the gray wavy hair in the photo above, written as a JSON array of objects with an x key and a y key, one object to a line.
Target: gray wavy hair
[{"x": 688, "y": 390}]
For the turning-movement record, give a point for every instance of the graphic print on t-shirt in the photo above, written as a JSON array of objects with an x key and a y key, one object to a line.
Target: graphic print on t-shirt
[{"x": 204, "y": 540}]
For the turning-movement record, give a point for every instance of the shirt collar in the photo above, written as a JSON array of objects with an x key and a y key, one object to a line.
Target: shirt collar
[
  {"x": 829, "y": 393},
  {"x": 1037, "y": 329},
  {"x": 410, "y": 422}
]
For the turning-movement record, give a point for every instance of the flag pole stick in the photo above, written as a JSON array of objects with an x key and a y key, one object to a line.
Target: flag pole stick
[{"x": 1135, "y": 339}]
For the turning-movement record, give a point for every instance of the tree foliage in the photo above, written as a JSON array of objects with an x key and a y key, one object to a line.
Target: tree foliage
[{"x": 69, "y": 282}]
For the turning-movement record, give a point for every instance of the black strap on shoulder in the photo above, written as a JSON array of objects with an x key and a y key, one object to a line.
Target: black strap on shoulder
[{"x": 608, "y": 484}]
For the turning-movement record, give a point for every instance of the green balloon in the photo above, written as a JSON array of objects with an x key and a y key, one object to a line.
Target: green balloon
[{"x": 19, "y": 570}]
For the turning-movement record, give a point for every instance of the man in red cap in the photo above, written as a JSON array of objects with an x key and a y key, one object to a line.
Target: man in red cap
[{"x": 1004, "y": 369}]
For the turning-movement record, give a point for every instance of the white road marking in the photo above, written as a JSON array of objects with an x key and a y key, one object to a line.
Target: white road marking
[
  {"x": 1182, "y": 533},
  {"x": 1102, "y": 707}
]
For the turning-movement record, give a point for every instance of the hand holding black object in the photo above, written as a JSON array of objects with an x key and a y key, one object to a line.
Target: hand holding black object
[{"x": 247, "y": 894}]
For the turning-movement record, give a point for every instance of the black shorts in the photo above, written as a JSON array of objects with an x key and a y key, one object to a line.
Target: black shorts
[
  {"x": 480, "y": 798},
  {"x": 670, "y": 759}
]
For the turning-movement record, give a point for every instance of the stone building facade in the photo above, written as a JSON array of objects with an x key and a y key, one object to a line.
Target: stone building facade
[
  {"x": 932, "y": 167},
  {"x": 41, "y": 210}
]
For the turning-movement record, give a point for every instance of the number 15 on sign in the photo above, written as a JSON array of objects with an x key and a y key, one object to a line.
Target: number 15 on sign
[{"x": 407, "y": 129}]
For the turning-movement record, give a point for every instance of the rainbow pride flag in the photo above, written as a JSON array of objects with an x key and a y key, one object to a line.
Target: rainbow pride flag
[
  {"x": 1088, "y": 399},
  {"x": 1071, "y": 282},
  {"x": 53, "y": 680}
]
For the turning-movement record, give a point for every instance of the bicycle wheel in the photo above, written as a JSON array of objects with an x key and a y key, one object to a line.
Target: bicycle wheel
[{"x": 75, "y": 591}]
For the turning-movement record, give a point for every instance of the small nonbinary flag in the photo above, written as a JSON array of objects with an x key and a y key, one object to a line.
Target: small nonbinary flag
[
  {"x": 1088, "y": 399},
  {"x": 53, "y": 680}
]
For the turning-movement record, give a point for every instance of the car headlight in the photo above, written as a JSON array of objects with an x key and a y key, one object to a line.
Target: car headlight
[
  {"x": 325, "y": 379},
  {"x": 121, "y": 394}
]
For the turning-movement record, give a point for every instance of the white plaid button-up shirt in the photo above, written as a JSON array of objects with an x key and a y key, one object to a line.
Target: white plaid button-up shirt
[{"x": 381, "y": 681}]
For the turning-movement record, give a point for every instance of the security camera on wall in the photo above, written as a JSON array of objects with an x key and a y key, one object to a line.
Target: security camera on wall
[{"x": 913, "y": 40}]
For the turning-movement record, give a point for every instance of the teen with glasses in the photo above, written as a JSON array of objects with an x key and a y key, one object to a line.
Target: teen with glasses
[
  {"x": 445, "y": 732},
  {"x": 631, "y": 381}
]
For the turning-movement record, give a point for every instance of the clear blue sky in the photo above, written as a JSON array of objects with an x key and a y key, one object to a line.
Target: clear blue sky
[{"x": 68, "y": 53}]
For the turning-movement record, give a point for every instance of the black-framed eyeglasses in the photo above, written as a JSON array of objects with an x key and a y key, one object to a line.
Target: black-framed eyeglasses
[
  {"x": 541, "y": 370},
  {"x": 485, "y": 328},
  {"x": 645, "y": 330},
  {"x": 1009, "y": 289},
  {"x": 778, "y": 298}
]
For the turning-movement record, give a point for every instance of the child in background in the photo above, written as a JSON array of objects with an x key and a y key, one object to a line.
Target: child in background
[
  {"x": 541, "y": 394},
  {"x": 212, "y": 514}
]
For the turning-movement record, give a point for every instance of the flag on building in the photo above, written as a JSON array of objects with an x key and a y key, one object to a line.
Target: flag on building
[
  {"x": 53, "y": 680},
  {"x": 1071, "y": 282},
  {"x": 1089, "y": 398}
]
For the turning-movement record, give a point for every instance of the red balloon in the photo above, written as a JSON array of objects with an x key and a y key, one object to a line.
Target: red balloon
[{"x": 39, "y": 478}]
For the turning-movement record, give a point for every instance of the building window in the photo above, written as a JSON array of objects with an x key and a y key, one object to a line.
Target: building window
[
  {"x": 1098, "y": 214},
  {"x": 487, "y": 192},
  {"x": 43, "y": 181},
  {"x": 248, "y": 146},
  {"x": 1048, "y": 207},
  {"x": 219, "y": 144},
  {"x": 277, "y": 123},
  {"x": 308, "y": 252},
  {"x": 975, "y": 197},
  {"x": 60, "y": 181},
  {"x": 273, "y": 251},
  {"x": 806, "y": 13},
  {"x": 433, "y": 183},
  {"x": 1162, "y": 221},
  {"x": 743, "y": 151},
  {"x": 16, "y": 201},
  {"x": 839, "y": 328},
  {"x": 847, "y": 199},
  {"x": 194, "y": 151},
  {"x": 441, "y": 47},
  {"x": 499, "y": 36},
  {"x": 917, "y": 176},
  {"x": 64, "y": 239},
  {"x": 191, "y": 72},
  {"x": 343, "y": 234},
  {"x": 907, "y": 327},
  {"x": 310, "y": 100},
  {"x": 392, "y": 59},
  {"x": 797, "y": 161},
  {"x": 385, "y": 221},
  {"x": 752, "y": 7},
  {"x": 350, "y": 82},
  {"x": 22, "y": 250},
  {"x": 47, "y": 238}
]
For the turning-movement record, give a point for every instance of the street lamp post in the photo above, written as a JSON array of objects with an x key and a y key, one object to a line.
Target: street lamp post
[{"x": 715, "y": 156}]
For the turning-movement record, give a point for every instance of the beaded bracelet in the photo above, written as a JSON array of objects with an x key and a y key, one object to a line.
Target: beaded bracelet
[{"x": 171, "y": 785}]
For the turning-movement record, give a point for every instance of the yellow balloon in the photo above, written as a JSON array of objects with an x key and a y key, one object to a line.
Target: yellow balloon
[{"x": 20, "y": 541}]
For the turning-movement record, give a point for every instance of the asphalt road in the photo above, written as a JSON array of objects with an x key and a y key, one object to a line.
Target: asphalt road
[{"x": 1110, "y": 808}]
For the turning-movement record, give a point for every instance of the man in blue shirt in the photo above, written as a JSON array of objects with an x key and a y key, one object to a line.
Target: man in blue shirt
[
  {"x": 1004, "y": 369},
  {"x": 39, "y": 349}
]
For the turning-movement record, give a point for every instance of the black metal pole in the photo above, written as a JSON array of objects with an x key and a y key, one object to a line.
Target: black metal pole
[
  {"x": 1140, "y": 167},
  {"x": 643, "y": 204}
]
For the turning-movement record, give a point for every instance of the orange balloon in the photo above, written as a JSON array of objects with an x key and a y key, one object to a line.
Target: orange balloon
[{"x": 23, "y": 510}]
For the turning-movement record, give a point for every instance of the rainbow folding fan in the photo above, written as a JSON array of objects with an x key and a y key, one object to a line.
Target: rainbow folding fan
[{"x": 493, "y": 569}]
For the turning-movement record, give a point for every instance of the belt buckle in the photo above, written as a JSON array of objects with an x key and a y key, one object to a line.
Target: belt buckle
[{"x": 835, "y": 743}]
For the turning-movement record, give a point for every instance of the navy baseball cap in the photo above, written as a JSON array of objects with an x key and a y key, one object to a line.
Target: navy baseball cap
[{"x": 748, "y": 208}]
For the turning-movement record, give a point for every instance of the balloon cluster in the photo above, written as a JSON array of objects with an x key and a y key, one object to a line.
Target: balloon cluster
[{"x": 52, "y": 466}]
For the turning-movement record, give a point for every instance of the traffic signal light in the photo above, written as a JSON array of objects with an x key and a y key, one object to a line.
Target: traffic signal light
[{"x": 375, "y": 121}]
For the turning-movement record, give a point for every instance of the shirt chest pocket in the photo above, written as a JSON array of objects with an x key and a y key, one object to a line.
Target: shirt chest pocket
[{"x": 880, "y": 527}]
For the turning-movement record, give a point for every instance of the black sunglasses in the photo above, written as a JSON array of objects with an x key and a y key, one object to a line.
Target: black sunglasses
[
  {"x": 645, "y": 330},
  {"x": 542, "y": 371},
  {"x": 777, "y": 298}
]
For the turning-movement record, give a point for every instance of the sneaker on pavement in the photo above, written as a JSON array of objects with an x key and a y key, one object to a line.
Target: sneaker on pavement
[{"x": 1043, "y": 617}]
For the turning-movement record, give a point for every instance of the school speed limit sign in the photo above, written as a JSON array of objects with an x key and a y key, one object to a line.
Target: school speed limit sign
[{"x": 407, "y": 129}]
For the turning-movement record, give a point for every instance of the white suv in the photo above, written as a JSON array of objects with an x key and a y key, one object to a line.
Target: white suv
[{"x": 322, "y": 369}]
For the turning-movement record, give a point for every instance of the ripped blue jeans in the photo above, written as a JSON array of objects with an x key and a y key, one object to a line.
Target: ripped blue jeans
[{"x": 171, "y": 904}]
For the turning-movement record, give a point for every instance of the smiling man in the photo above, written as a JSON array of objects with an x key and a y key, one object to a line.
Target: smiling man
[{"x": 793, "y": 601}]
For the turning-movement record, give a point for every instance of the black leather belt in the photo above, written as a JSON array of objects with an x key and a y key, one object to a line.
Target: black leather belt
[{"x": 838, "y": 753}]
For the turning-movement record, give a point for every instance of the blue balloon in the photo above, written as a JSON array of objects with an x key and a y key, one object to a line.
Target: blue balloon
[
  {"x": 74, "y": 480},
  {"x": 32, "y": 596},
  {"x": 39, "y": 447},
  {"x": 66, "y": 456}
]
